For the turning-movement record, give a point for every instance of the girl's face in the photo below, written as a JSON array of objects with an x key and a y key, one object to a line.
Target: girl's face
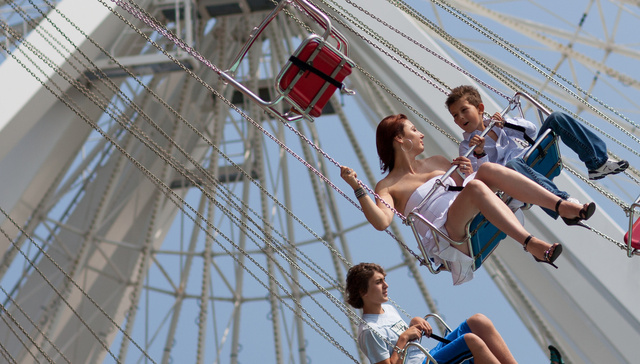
[
  {"x": 411, "y": 133},
  {"x": 467, "y": 116},
  {"x": 376, "y": 290}
]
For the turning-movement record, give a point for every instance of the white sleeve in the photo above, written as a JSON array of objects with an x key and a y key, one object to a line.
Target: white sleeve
[
  {"x": 530, "y": 128},
  {"x": 477, "y": 162},
  {"x": 373, "y": 346}
]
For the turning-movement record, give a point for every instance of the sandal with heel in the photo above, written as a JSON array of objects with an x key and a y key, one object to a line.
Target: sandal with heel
[
  {"x": 585, "y": 213},
  {"x": 550, "y": 255}
]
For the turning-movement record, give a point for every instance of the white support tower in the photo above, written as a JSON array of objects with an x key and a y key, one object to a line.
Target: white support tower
[{"x": 144, "y": 219}]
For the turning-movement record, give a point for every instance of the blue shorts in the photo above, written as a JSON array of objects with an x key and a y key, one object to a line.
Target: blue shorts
[{"x": 457, "y": 350}]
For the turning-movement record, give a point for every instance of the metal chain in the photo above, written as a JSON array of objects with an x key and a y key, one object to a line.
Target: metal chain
[
  {"x": 228, "y": 159},
  {"x": 414, "y": 13},
  {"x": 272, "y": 277},
  {"x": 327, "y": 158},
  {"x": 184, "y": 204},
  {"x": 599, "y": 189},
  {"x": 51, "y": 285},
  {"x": 15, "y": 321},
  {"x": 310, "y": 143},
  {"x": 442, "y": 33},
  {"x": 5, "y": 352},
  {"x": 422, "y": 46},
  {"x": 504, "y": 76},
  {"x": 140, "y": 13},
  {"x": 68, "y": 104},
  {"x": 523, "y": 56},
  {"x": 146, "y": 18},
  {"x": 360, "y": 24}
]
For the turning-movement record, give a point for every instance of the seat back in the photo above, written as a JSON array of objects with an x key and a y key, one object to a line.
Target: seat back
[
  {"x": 309, "y": 88},
  {"x": 482, "y": 239},
  {"x": 635, "y": 235},
  {"x": 544, "y": 155},
  {"x": 310, "y": 77},
  {"x": 632, "y": 236},
  {"x": 485, "y": 238}
]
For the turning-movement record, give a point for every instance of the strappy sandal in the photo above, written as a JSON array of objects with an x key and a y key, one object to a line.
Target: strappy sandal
[
  {"x": 550, "y": 255},
  {"x": 585, "y": 213}
]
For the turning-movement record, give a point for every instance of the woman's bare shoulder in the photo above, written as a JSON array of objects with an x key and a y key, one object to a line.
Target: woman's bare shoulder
[{"x": 384, "y": 184}]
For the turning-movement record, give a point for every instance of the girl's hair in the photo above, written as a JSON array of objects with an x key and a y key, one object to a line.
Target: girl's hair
[
  {"x": 389, "y": 128},
  {"x": 358, "y": 282},
  {"x": 465, "y": 92}
]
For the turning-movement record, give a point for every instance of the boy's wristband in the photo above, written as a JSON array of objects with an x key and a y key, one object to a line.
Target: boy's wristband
[{"x": 479, "y": 155}]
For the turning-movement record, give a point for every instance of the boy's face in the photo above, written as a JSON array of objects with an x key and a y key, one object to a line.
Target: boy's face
[
  {"x": 376, "y": 290},
  {"x": 467, "y": 116}
]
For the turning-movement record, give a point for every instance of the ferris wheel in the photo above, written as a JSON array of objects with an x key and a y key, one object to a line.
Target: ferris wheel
[{"x": 154, "y": 212}]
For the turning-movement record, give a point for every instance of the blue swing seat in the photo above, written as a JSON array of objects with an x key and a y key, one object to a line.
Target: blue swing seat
[
  {"x": 484, "y": 239},
  {"x": 544, "y": 155}
]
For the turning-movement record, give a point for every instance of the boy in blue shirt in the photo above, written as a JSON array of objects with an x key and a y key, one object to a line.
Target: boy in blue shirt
[{"x": 503, "y": 144}]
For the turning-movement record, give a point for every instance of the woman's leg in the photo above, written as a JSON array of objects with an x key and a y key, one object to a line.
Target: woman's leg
[
  {"x": 483, "y": 327},
  {"x": 514, "y": 184},
  {"x": 477, "y": 196}
]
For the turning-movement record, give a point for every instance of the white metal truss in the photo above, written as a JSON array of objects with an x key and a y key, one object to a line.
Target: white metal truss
[{"x": 131, "y": 202}]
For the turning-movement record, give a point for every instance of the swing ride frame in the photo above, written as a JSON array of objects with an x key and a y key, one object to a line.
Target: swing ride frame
[
  {"x": 24, "y": 120},
  {"x": 545, "y": 145},
  {"x": 301, "y": 83}
]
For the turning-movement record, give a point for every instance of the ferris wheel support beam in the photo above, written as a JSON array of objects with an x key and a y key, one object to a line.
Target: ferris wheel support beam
[
  {"x": 561, "y": 298},
  {"x": 293, "y": 254},
  {"x": 18, "y": 115},
  {"x": 533, "y": 31},
  {"x": 271, "y": 256},
  {"x": 239, "y": 277}
]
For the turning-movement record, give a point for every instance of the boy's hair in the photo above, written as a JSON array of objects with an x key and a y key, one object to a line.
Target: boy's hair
[
  {"x": 358, "y": 282},
  {"x": 466, "y": 92}
]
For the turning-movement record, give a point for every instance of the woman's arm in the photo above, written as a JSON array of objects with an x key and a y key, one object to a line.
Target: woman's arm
[
  {"x": 441, "y": 163},
  {"x": 377, "y": 213}
]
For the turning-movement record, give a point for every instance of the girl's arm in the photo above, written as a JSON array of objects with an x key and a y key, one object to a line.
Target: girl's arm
[{"x": 376, "y": 212}]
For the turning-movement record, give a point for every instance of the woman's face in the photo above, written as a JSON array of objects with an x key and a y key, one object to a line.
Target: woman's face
[{"x": 411, "y": 133}]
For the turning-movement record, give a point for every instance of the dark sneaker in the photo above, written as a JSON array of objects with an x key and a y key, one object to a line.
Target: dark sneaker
[{"x": 609, "y": 167}]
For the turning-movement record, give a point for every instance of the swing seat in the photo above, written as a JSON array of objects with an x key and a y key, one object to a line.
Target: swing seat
[
  {"x": 312, "y": 75},
  {"x": 544, "y": 155},
  {"x": 634, "y": 232},
  {"x": 632, "y": 237},
  {"x": 429, "y": 358},
  {"x": 484, "y": 239}
]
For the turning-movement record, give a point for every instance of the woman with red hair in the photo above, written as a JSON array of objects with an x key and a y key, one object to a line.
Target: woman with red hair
[{"x": 410, "y": 179}]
